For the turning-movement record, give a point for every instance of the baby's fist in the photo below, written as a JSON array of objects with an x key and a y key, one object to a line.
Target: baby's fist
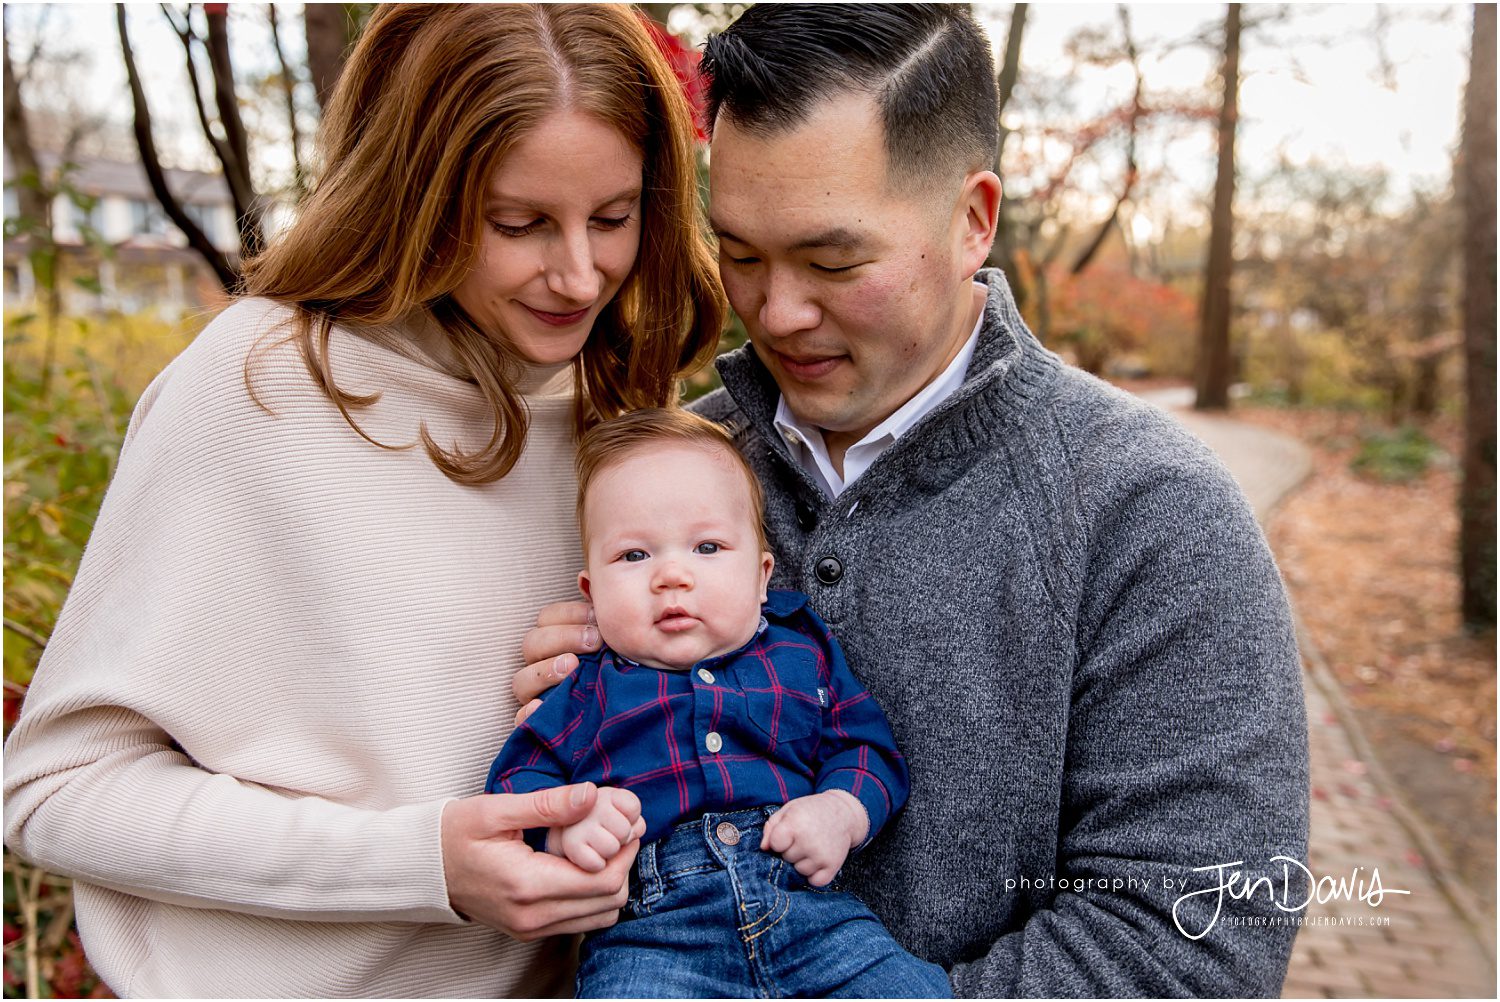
[
  {"x": 816, "y": 832},
  {"x": 590, "y": 843}
]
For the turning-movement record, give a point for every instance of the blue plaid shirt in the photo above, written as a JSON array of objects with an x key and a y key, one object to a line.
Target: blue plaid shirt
[{"x": 780, "y": 718}]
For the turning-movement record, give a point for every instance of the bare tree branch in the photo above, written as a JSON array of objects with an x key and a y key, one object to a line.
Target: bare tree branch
[
  {"x": 236, "y": 140},
  {"x": 288, "y": 84},
  {"x": 1133, "y": 122},
  {"x": 151, "y": 162}
]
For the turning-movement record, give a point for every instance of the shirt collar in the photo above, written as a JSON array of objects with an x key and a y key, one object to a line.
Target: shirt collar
[{"x": 759, "y": 630}]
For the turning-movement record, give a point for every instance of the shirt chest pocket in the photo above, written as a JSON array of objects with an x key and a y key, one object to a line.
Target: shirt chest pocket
[{"x": 783, "y": 698}]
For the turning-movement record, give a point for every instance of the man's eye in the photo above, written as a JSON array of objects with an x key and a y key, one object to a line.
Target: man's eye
[
  {"x": 706, "y": 548},
  {"x": 739, "y": 260},
  {"x": 633, "y": 556},
  {"x": 825, "y": 269}
]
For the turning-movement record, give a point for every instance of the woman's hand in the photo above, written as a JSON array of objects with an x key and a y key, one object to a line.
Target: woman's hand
[
  {"x": 563, "y": 630},
  {"x": 496, "y": 879}
]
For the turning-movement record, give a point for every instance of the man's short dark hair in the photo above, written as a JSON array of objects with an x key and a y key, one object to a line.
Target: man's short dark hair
[{"x": 927, "y": 66}]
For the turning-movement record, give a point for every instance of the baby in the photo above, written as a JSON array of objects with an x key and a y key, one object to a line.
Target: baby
[{"x": 759, "y": 761}]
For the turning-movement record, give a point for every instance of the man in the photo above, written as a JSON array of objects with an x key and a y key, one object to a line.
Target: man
[{"x": 1060, "y": 599}]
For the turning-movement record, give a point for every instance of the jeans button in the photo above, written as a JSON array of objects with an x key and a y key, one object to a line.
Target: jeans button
[{"x": 728, "y": 833}]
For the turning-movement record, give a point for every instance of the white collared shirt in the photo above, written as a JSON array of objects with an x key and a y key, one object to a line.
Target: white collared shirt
[{"x": 809, "y": 448}]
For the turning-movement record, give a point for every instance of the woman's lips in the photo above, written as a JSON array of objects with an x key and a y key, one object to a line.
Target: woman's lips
[
  {"x": 813, "y": 367},
  {"x": 558, "y": 319}
]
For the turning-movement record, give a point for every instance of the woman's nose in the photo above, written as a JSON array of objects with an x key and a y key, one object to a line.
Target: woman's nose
[{"x": 571, "y": 274}]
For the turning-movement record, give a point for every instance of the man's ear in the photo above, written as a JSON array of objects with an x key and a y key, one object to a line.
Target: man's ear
[
  {"x": 583, "y": 584},
  {"x": 980, "y": 206},
  {"x": 766, "y": 563}
]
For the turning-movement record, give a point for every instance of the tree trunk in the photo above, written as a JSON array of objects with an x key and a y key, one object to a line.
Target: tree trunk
[
  {"x": 1003, "y": 254},
  {"x": 29, "y": 197},
  {"x": 330, "y": 28},
  {"x": 1215, "y": 360},
  {"x": 1477, "y": 187}
]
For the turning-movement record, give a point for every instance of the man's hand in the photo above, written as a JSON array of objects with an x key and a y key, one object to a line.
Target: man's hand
[
  {"x": 816, "y": 832},
  {"x": 563, "y": 630},
  {"x": 496, "y": 879},
  {"x": 591, "y": 842}
]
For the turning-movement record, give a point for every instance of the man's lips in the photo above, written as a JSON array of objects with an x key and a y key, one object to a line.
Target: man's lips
[
  {"x": 675, "y": 620},
  {"x": 807, "y": 366},
  {"x": 558, "y": 319}
]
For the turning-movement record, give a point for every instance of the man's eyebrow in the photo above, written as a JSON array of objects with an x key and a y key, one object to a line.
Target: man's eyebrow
[{"x": 839, "y": 237}]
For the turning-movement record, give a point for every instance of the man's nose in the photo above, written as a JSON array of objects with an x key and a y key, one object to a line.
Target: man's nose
[
  {"x": 787, "y": 308},
  {"x": 571, "y": 273}
]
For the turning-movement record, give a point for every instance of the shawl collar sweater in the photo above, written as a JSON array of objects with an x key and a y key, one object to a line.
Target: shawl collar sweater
[
  {"x": 284, "y": 651},
  {"x": 1068, "y": 613}
]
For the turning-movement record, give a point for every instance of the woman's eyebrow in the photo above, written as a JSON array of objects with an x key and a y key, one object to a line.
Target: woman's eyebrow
[{"x": 515, "y": 201}]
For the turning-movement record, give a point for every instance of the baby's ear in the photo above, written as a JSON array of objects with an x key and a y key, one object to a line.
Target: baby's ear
[
  {"x": 583, "y": 584},
  {"x": 767, "y": 562}
]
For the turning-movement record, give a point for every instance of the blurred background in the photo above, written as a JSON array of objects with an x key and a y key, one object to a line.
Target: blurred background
[{"x": 1277, "y": 221}]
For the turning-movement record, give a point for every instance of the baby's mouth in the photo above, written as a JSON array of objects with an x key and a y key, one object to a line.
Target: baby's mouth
[{"x": 675, "y": 619}]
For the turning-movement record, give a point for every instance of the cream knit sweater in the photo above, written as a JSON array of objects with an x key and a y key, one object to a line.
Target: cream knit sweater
[{"x": 285, "y": 650}]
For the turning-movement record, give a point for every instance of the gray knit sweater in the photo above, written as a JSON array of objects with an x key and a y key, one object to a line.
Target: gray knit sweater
[{"x": 1072, "y": 620}]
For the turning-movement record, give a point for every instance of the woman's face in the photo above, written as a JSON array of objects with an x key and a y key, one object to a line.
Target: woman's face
[{"x": 562, "y": 227}]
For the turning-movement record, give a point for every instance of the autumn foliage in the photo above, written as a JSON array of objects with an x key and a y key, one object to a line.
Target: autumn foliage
[{"x": 1106, "y": 312}]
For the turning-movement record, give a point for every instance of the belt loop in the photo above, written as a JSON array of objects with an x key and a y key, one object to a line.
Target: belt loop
[{"x": 651, "y": 884}]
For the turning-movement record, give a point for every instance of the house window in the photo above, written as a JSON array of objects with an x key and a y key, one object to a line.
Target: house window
[
  {"x": 90, "y": 217},
  {"x": 147, "y": 218},
  {"x": 203, "y": 216}
]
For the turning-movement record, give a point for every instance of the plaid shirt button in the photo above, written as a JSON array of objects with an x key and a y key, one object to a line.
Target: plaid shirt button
[
  {"x": 713, "y": 742},
  {"x": 706, "y": 675}
]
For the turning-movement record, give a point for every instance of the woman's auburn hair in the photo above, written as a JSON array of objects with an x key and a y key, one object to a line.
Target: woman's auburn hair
[{"x": 430, "y": 102}]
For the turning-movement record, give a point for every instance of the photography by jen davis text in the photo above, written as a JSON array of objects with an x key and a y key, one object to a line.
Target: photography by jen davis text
[{"x": 1198, "y": 910}]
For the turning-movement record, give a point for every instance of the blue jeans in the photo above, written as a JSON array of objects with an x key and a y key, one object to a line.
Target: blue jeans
[{"x": 712, "y": 916}]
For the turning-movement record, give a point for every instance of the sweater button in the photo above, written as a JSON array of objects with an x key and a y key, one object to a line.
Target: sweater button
[
  {"x": 829, "y": 570},
  {"x": 807, "y": 518}
]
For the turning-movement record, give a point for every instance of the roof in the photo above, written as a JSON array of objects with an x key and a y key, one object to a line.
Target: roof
[{"x": 97, "y": 176}]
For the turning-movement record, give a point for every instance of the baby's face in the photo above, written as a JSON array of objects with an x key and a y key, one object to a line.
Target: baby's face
[{"x": 674, "y": 564}]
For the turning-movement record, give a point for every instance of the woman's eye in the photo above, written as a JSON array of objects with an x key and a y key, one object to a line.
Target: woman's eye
[
  {"x": 517, "y": 231},
  {"x": 611, "y": 222},
  {"x": 633, "y": 556},
  {"x": 707, "y": 548}
]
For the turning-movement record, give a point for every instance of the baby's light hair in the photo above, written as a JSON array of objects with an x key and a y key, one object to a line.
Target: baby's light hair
[{"x": 610, "y": 442}]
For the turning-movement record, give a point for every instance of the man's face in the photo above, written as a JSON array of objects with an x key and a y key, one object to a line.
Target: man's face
[{"x": 855, "y": 296}]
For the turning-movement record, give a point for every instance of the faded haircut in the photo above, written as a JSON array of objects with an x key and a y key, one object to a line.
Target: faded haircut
[
  {"x": 928, "y": 68},
  {"x": 610, "y": 442}
]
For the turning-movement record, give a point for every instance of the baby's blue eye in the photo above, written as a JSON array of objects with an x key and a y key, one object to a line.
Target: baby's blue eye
[
  {"x": 633, "y": 556},
  {"x": 706, "y": 548}
]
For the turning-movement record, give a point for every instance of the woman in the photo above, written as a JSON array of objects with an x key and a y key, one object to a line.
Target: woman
[{"x": 289, "y": 646}]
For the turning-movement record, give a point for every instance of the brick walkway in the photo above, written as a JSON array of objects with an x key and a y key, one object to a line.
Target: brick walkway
[{"x": 1418, "y": 945}]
